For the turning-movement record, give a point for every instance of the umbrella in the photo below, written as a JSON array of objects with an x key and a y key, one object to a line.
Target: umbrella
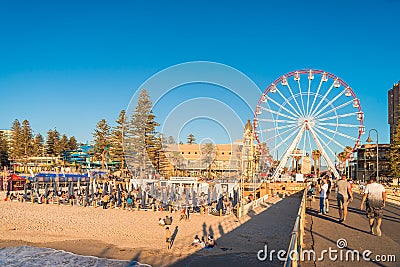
[
  {"x": 139, "y": 195},
  {"x": 37, "y": 186},
  {"x": 25, "y": 190},
  {"x": 214, "y": 194},
  {"x": 152, "y": 189},
  {"x": 87, "y": 193},
  {"x": 194, "y": 199},
  {"x": 104, "y": 189},
  {"x": 46, "y": 190},
  {"x": 55, "y": 187},
  {"x": 186, "y": 196},
  {"x": 144, "y": 199},
  {"x": 69, "y": 191},
  {"x": 220, "y": 205},
  {"x": 209, "y": 195},
  {"x": 119, "y": 196}
]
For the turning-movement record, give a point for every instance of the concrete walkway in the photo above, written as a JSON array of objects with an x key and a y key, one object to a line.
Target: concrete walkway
[
  {"x": 239, "y": 247},
  {"x": 324, "y": 231}
]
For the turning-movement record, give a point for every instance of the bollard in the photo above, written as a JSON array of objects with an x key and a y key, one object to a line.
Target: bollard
[
  {"x": 152, "y": 207},
  {"x": 71, "y": 202},
  {"x": 20, "y": 198},
  {"x": 84, "y": 203},
  {"x": 94, "y": 203},
  {"x": 45, "y": 200},
  {"x": 32, "y": 199},
  {"x": 111, "y": 205},
  {"x": 201, "y": 210},
  {"x": 220, "y": 212},
  {"x": 123, "y": 205},
  {"x": 170, "y": 209},
  {"x": 58, "y": 201}
]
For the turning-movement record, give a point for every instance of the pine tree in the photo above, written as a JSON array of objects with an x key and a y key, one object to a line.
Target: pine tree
[
  {"x": 3, "y": 151},
  {"x": 191, "y": 139},
  {"x": 38, "y": 144},
  {"x": 116, "y": 149},
  {"x": 63, "y": 145},
  {"x": 52, "y": 143},
  {"x": 135, "y": 135},
  {"x": 153, "y": 142},
  {"x": 101, "y": 137},
  {"x": 16, "y": 149},
  {"x": 394, "y": 153},
  {"x": 27, "y": 138},
  {"x": 72, "y": 143}
]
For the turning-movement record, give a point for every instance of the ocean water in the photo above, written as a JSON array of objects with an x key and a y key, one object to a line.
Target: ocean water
[{"x": 33, "y": 256}]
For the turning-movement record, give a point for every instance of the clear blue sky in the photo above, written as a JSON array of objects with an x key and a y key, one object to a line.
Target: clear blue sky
[{"x": 68, "y": 64}]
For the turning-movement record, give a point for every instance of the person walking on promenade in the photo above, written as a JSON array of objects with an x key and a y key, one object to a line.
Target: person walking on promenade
[
  {"x": 322, "y": 196},
  {"x": 375, "y": 194},
  {"x": 344, "y": 196},
  {"x": 328, "y": 192},
  {"x": 168, "y": 237}
]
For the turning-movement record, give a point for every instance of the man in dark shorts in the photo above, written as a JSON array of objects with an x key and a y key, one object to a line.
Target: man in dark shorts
[
  {"x": 168, "y": 237},
  {"x": 375, "y": 194},
  {"x": 344, "y": 195}
]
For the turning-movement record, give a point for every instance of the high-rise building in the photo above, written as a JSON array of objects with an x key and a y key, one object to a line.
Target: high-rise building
[{"x": 393, "y": 110}]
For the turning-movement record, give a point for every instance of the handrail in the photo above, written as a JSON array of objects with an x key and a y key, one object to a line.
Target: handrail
[{"x": 296, "y": 240}]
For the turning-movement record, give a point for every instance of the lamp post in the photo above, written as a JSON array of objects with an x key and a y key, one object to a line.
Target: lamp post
[{"x": 369, "y": 140}]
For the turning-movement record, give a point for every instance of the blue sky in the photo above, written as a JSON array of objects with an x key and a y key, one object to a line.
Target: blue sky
[{"x": 68, "y": 64}]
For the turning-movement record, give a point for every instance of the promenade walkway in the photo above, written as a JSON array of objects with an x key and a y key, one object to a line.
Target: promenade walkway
[
  {"x": 272, "y": 227},
  {"x": 324, "y": 231}
]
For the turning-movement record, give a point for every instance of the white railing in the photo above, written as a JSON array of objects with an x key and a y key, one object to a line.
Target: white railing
[{"x": 296, "y": 241}]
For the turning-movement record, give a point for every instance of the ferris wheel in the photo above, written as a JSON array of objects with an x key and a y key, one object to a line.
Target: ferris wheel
[{"x": 308, "y": 113}]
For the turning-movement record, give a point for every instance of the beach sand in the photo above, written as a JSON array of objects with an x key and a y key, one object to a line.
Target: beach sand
[{"x": 112, "y": 233}]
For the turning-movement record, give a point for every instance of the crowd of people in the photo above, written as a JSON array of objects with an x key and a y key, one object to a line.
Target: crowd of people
[{"x": 373, "y": 199}]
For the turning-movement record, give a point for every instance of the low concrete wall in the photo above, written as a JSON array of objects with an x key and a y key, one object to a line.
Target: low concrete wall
[{"x": 252, "y": 205}]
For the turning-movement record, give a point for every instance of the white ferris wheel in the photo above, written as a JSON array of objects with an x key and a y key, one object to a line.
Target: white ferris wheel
[{"x": 305, "y": 111}]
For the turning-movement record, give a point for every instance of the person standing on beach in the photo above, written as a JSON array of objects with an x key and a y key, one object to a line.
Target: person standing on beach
[
  {"x": 344, "y": 195},
  {"x": 168, "y": 237},
  {"x": 375, "y": 195}
]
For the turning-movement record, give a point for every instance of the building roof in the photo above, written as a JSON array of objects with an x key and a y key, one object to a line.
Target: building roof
[{"x": 248, "y": 126}]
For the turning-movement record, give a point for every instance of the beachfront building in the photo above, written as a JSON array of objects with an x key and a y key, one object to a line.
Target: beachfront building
[
  {"x": 393, "y": 110},
  {"x": 216, "y": 161},
  {"x": 36, "y": 164},
  {"x": 7, "y": 135},
  {"x": 365, "y": 166}
]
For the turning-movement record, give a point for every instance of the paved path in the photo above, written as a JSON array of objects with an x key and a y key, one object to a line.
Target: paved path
[
  {"x": 239, "y": 247},
  {"x": 323, "y": 231}
]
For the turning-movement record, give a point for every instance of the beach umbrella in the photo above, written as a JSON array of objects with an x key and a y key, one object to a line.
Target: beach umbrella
[
  {"x": 104, "y": 189},
  {"x": 144, "y": 199},
  {"x": 220, "y": 204},
  {"x": 119, "y": 196},
  {"x": 37, "y": 185},
  {"x": 194, "y": 198},
  {"x": 87, "y": 193},
  {"x": 214, "y": 194},
  {"x": 152, "y": 189},
  {"x": 69, "y": 190},
  {"x": 25, "y": 190},
  {"x": 139, "y": 195},
  {"x": 209, "y": 195},
  {"x": 55, "y": 187},
  {"x": 46, "y": 190},
  {"x": 186, "y": 196}
]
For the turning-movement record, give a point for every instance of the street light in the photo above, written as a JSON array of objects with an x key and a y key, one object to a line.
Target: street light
[{"x": 369, "y": 140}]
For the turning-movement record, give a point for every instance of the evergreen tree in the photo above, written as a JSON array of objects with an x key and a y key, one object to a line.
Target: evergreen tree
[
  {"x": 63, "y": 145},
  {"x": 394, "y": 153},
  {"x": 101, "y": 137},
  {"x": 72, "y": 143},
  {"x": 16, "y": 149},
  {"x": 26, "y": 138},
  {"x": 191, "y": 139},
  {"x": 38, "y": 144},
  {"x": 3, "y": 151},
  {"x": 208, "y": 152},
  {"x": 135, "y": 135},
  {"x": 116, "y": 149},
  {"x": 52, "y": 143},
  {"x": 153, "y": 142}
]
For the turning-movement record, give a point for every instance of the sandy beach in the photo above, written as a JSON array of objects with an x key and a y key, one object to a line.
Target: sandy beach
[{"x": 117, "y": 234}]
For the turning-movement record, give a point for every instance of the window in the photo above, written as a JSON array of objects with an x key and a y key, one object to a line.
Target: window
[
  {"x": 223, "y": 153},
  {"x": 183, "y": 153},
  {"x": 189, "y": 152}
]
